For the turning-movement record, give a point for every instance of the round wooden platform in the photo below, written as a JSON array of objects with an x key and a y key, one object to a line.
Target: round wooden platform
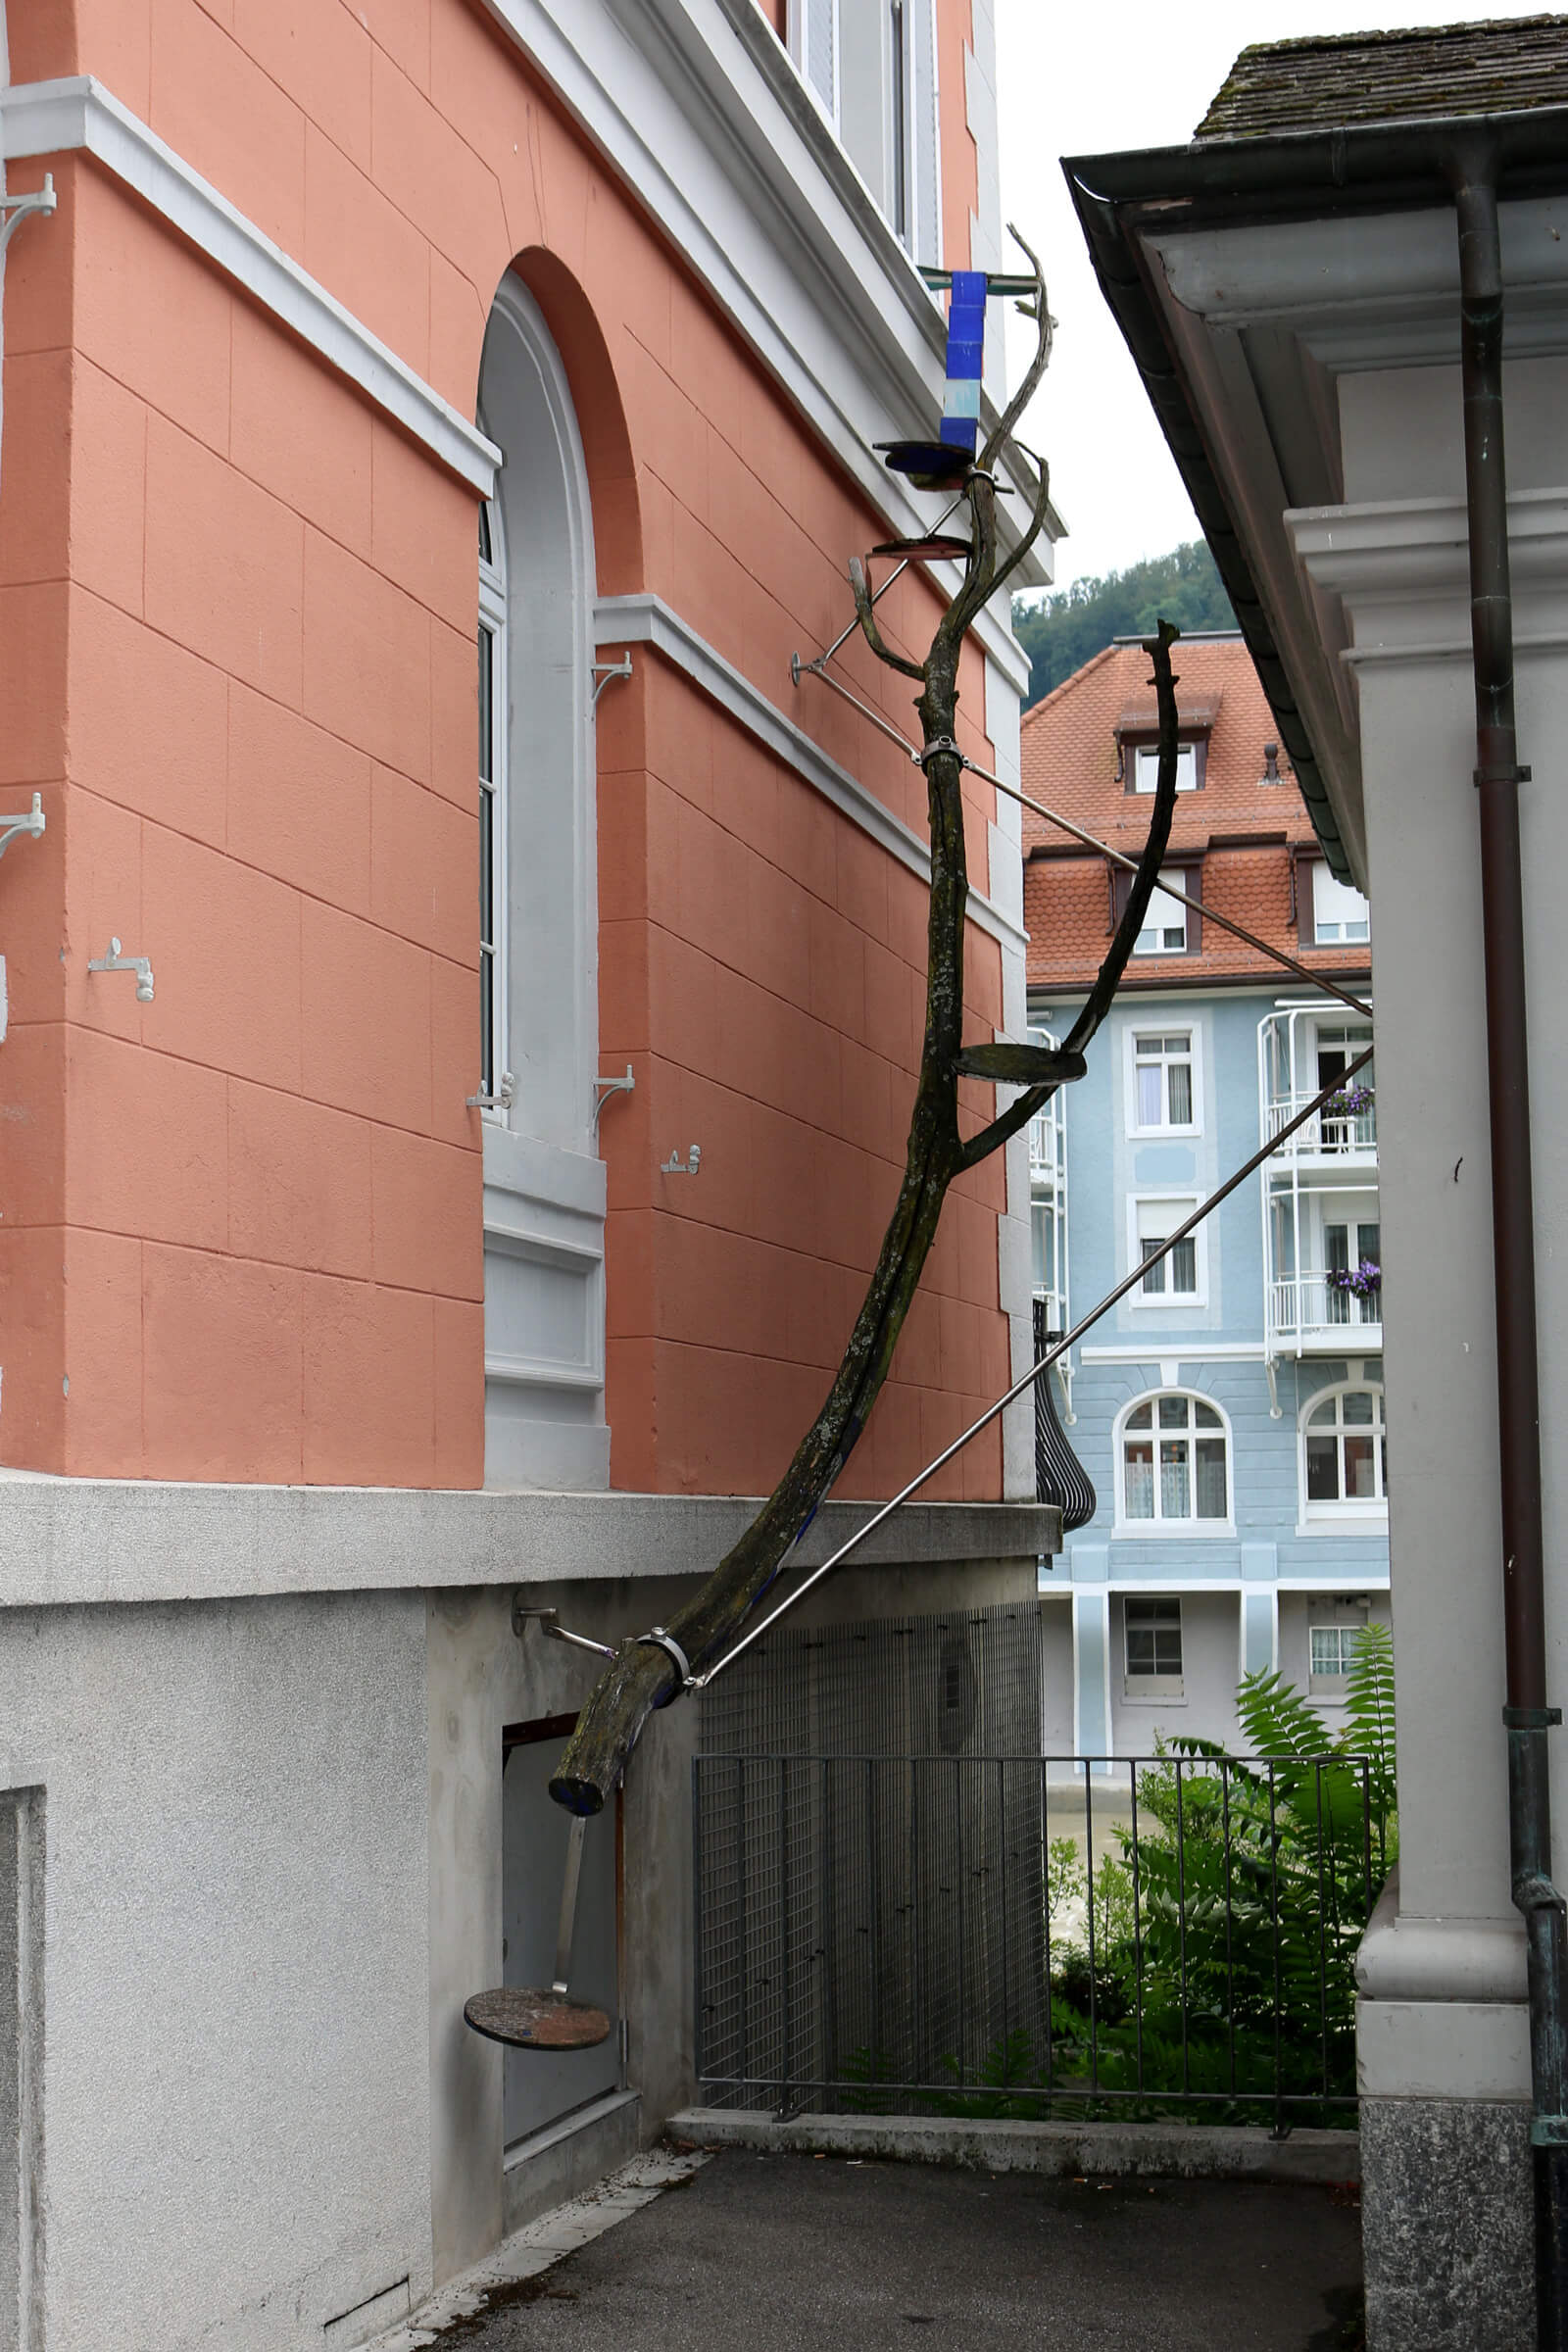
[{"x": 536, "y": 2018}]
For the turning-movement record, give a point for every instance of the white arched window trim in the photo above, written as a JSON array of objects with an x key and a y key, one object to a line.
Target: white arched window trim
[
  {"x": 1160, "y": 1526},
  {"x": 494, "y": 1067},
  {"x": 1321, "y": 1518},
  {"x": 543, "y": 1184}
]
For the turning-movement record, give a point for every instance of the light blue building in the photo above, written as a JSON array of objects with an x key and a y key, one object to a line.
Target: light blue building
[{"x": 1229, "y": 1411}]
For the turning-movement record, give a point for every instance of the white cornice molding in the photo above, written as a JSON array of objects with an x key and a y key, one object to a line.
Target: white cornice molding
[
  {"x": 646, "y": 620},
  {"x": 1401, "y": 568},
  {"x": 56, "y": 117},
  {"x": 696, "y": 108}
]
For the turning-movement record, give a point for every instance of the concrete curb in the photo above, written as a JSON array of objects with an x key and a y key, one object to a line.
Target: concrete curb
[{"x": 1186, "y": 2151}]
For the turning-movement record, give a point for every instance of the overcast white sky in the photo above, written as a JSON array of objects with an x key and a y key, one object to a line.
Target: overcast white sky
[{"x": 1080, "y": 79}]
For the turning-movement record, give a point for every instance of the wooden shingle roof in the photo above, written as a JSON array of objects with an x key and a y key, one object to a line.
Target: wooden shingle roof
[{"x": 1430, "y": 71}]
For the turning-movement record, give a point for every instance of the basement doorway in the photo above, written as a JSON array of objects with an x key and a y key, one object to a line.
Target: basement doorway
[{"x": 544, "y": 2087}]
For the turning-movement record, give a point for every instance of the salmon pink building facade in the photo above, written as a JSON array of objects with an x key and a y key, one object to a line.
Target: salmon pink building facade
[{"x": 438, "y": 1154}]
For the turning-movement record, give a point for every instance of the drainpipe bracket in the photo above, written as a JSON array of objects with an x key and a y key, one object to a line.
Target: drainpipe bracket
[
  {"x": 1502, "y": 775},
  {"x": 1548, "y": 2131},
  {"x": 1531, "y": 1719}
]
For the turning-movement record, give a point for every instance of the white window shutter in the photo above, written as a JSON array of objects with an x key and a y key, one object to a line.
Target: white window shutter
[
  {"x": 813, "y": 43},
  {"x": 925, "y": 192}
]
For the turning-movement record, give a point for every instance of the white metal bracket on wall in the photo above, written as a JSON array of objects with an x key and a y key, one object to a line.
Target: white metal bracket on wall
[
  {"x": 32, "y": 825},
  {"x": 604, "y": 1088},
  {"x": 605, "y": 672},
  {"x": 502, "y": 1100},
  {"x": 14, "y": 210},
  {"x": 114, "y": 961}
]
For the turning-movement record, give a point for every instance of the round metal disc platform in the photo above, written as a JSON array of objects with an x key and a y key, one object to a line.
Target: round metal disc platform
[
  {"x": 928, "y": 461},
  {"x": 933, "y": 550},
  {"x": 536, "y": 2018}
]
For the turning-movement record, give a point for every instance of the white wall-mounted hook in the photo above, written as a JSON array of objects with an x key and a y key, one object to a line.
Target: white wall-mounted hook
[
  {"x": 674, "y": 1166},
  {"x": 604, "y": 671},
  {"x": 14, "y": 210},
  {"x": 32, "y": 825},
  {"x": 502, "y": 1100},
  {"x": 604, "y": 1088},
  {"x": 114, "y": 961}
]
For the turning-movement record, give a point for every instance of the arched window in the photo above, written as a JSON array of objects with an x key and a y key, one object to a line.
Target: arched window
[
  {"x": 1173, "y": 1464},
  {"x": 1344, "y": 1454},
  {"x": 495, "y": 1074},
  {"x": 538, "y": 1011}
]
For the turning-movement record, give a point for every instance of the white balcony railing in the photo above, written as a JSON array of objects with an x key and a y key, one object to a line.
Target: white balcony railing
[
  {"x": 1327, "y": 1134},
  {"x": 1310, "y": 1311},
  {"x": 1047, "y": 1164}
]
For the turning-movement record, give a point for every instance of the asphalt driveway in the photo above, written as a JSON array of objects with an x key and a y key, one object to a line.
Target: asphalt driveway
[{"x": 799, "y": 2254}]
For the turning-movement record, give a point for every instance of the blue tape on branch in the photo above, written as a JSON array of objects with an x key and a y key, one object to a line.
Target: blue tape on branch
[{"x": 966, "y": 331}]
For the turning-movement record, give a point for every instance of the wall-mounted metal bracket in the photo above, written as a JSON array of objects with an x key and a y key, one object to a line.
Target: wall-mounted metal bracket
[
  {"x": 674, "y": 1166},
  {"x": 114, "y": 961},
  {"x": 605, "y": 672},
  {"x": 1271, "y": 1373},
  {"x": 502, "y": 1100},
  {"x": 604, "y": 1088},
  {"x": 525, "y": 1614},
  {"x": 32, "y": 825},
  {"x": 14, "y": 210}
]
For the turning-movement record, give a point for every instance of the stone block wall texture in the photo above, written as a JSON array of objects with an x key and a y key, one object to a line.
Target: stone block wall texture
[
  {"x": 1447, "y": 2205},
  {"x": 242, "y": 1233}
]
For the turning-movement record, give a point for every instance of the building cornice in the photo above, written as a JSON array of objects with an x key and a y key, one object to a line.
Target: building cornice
[
  {"x": 80, "y": 1542},
  {"x": 57, "y": 118},
  {"x": 646, "y": 620}
]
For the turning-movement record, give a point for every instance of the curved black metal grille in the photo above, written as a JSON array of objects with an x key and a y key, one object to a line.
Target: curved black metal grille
[{"x": 1059, "y": 1476}]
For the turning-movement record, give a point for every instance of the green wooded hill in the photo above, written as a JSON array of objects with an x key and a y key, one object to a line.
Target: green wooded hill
[{"x": 1059, "y": 633}]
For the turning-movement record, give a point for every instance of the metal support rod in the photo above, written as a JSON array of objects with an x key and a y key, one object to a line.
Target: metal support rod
[
  {"x": 1498, "y": 776},
  {"x": 1091, "y": 841},
  {"x": 898, "y": 571},
  {"x": 699, "y": 1682},
  {"x": 566, "y": 1924}
]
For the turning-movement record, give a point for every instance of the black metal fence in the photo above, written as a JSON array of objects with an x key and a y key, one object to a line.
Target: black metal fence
[{"x": 1006, "y": 1935}]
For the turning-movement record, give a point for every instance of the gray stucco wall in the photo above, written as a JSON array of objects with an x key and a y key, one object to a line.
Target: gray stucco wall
[{"x": 236, "y": 1981}]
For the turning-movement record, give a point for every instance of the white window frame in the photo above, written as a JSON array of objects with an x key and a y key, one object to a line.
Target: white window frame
[
  {"x": 1345, "y": 927},
  {"x": 493, "y": 623},
  {"x": 797, "y": 33},
  {"x": 1170, "y": 878},
  {"x": 1140, "y": 1689},
  {"x": 1323, "y": 1518},
  {"x": 1130, "y": 1062},
  {"x": 1146, "y": 762},
  {"x": 1184, "y": 1200},
  {"x": 1158, "y": 1529}
]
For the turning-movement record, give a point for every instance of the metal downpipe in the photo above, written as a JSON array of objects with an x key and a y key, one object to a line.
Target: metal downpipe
[{"x": 1527, "y": 1716}]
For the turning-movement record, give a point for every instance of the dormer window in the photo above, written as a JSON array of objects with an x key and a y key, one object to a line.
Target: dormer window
[{"x": 1145, "y": 766}]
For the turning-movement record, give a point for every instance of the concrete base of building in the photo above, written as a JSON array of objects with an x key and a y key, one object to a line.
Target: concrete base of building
[
  {"x": 1447, "y": 2224},
  {"x": 550, "y": 2167},
  {"x": 1180, "y": 2151}
]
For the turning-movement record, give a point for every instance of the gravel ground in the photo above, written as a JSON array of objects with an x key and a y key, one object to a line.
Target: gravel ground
[{"x": 801, "y": 2254}]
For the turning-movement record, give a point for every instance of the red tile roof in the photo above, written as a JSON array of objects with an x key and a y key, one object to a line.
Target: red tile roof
[{"x": 1250, "y": 840}]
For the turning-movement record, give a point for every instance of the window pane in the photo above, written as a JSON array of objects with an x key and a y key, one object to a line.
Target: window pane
[
  {"x": 1139, "y": 1484},
  {"x": 1356, "y": 1406},
  {"x": 1328, "y": 1649},
  {"x": 1154, "y": 1279},
  {"x": 1207, "y": 1417},
  {"x": 1336, "y": 1246},
  {"x": 1338, "y": 911},
  {"x": 1211, "y": 1497},
  {"x": 1322, "y": 1470},
  {"x": 1181, "y": 1093},
  {"x": 1183, "y": 1266},
  {"x": 486, "y": 715},
  {"x": 1141, "y": 1416},
  {"x": 1173, "y": 1412},
  {"x": 1174, "y": 1492},
  {"x": 1359, "y": 1474},
  {"x": 1149, "y": 1106},
  {"x": 1322, "y": 1415},
  {"x": 1139, "y": 1652},
  {"x": 1144, "y": 1047},
  {"x": 1168, "y": 1650},
  {"x": 1146, "y": 772}
]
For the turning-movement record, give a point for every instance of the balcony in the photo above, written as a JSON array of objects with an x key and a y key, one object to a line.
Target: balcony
[
  {"x": 1333, "y": 1137},
  {"x": 1311, "y": 1314}
]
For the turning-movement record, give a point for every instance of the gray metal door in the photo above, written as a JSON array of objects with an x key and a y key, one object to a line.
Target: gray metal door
[{"x": 540, "y": 2088}]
